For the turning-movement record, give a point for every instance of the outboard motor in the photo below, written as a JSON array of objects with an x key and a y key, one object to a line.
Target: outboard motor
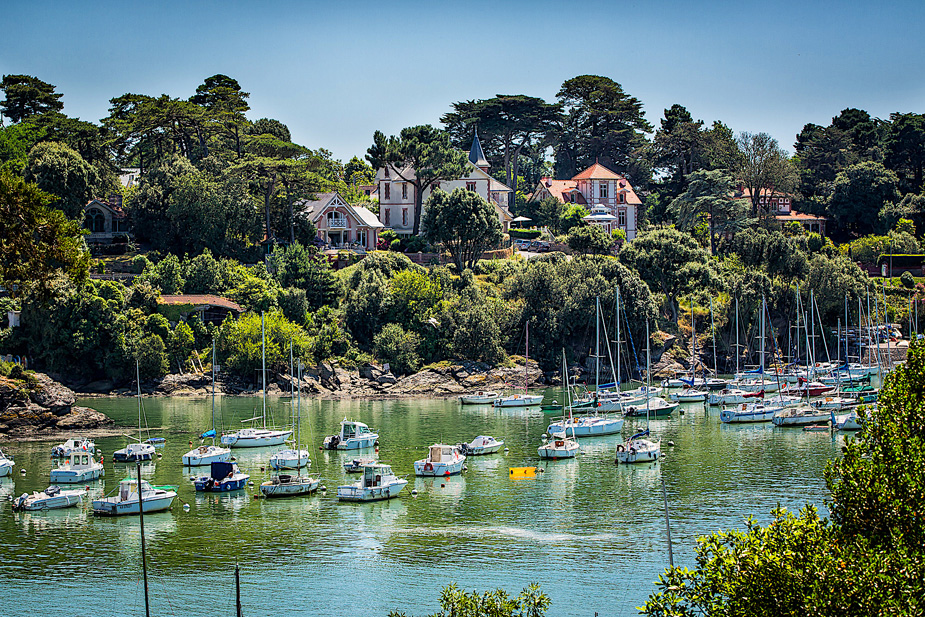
[{"x": 18, "y": 504}]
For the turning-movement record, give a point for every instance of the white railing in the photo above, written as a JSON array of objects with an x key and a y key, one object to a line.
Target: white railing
[{"x": 337, "y": 223}]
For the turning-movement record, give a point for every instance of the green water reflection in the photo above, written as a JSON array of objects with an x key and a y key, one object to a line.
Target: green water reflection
[{"x": 590, "y": 533}]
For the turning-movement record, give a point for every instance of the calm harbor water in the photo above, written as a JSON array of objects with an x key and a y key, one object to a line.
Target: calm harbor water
[{"x": 591, "y": 533}]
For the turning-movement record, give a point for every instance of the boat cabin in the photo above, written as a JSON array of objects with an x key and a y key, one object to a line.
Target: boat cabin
[
  {"x": 373, "y": 474},
  {"x": 128, "y": 488},
  {"x": 79, "y": 459},
  {"x": 349, "y": 429},
  {"x": 440, "y": 452}
]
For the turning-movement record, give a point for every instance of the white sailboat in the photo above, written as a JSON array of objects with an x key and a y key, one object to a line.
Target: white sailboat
[
  {"x": 6, "y": 464},
  {"x": 291, "y": 485},
  {"x": 525, "y": 399},
  {"x": 211, "y": 453},
  {"x": 140, "y": 451},
  {"x": 253, "y": 437},
  {"x": 638, "y": 449},
  {"x": 559, "y": 445}
]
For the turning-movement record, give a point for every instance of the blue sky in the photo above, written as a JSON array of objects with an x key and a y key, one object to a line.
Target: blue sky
[{"x": 334, "y": 72}]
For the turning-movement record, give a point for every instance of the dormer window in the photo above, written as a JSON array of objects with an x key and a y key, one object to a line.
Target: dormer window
[{"x": 603, "y": 194}]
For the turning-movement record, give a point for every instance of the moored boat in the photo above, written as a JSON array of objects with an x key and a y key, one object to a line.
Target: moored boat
[
  {"x": 286, "y": 485},
  {"x": 656, "y": 407},
  {"x": 378, "y": 482},
  {"x": 356, "y": 465},
  {"x": 483, "y": 444},
  {"x": 6, "y": 464},
  {"x": 733, "y": 396},
  {"x": 482, "y": 397},
  {"x": 133, "y": 453},
  {"x": 128, "y": 500},
  {"x": 290, "y": 458},
  {"x": 800, "y": 416},
  {"x": 77, "y": 467},
  {"x": 222, "y": 477},
  {"x": 587, "y": 426},
  {"x": 749, "y": 412},
  {"x": 353, "y": 436},
  {"x": 52, "y": 498},
  {"x": 518, "y": 400},
  {"x": 441, "y": 460},
  {"x": 73, "y": 445},
  {"x": 206, "y": 455},
  {"x": 689, "y": 395}
]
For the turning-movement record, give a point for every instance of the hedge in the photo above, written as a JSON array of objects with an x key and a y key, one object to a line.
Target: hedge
[
  {"x": 525, "y": 234},
  {"x": 902, "y": 261}
]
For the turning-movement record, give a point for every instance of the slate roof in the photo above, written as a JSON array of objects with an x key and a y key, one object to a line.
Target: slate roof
[{"x": 476, "y": 156}]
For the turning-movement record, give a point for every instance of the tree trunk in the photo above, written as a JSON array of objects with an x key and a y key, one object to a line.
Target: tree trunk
[{"x": 237, "y": 139}]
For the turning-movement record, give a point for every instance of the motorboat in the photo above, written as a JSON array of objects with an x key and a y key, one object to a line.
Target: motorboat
[
  {"x": 518, "y": 400},
  {"x": 73, "y": 445},
  {"x": 558, "y": 446},
  {"x": 700, "y": 383},
  {"x": 656, "y": 406},
  {"x": 291, "y": 458},
  {"x": 483, "y": 444},
  {"x": 378, "y": 482},
  {"x": 756, "y": 385},
  {"x": 637, "y": 449},
  {"x": 78, "y": 467},
  {"x": 222, "y": 477},
  {"x": 206, "y": 455},
  {"x": 689, "y": 395},
  {"x": 441, "y": 460},
  {"x": 756, "y": 411},
  {"x": 353, "y": 436},
  {"x": 128, "y": 500},
  {"x": 52, "y": 498},
  {"x": 801, "y": 416},
  {"x": 482, "y": 397},
  {"x": 255, "y": 437},
  {"x": 587, "y": 426},
  {"x": 6, "y": 464},
  {"x": 356, "y": 465},
  {"x": 808, "y": 388},
  {"x": 636, "y": 396},
  {"x": 732, "y": 396},
  {"x": 287, "y": 485},
  {"x": 134, "y": 453}
]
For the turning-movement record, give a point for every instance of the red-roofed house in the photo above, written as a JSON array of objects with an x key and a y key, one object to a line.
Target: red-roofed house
[
  {"x": 595, "y": 188},
  {"x": 780, "y": 205},
  {"x": 211, "y": 309},
  {"x": 340, "y": 224}
]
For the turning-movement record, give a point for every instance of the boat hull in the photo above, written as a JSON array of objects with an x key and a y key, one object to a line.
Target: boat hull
[
  {"x": 40, "y": 501},
  {"x": 69, "y": 476},
  {"x": 433, "y": 470},
  {"x": 591, "y": 427},
  {"x": 293, "y": 487},
  {"x": 802, "y": 419},
  {"x": 736, "y": 416},
  {"x": 271, "y": 438},
  {"x": 290, "y": 459},
  {"x": 478, "y": 399},
  {"x": 352, "y": 492},
  {"x": 353, "y": 443},
  {"x": 210, "y": 485},
  {"x": 641, "y": 451},
  {"x": 111, "y": 506},
  {"x": 198, "y": 458},
  {"x": 519, "y": 400},
  {"x": 558, "y": 449}
]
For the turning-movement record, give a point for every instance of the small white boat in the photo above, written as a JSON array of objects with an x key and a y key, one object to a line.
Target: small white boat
[
  {"x": 290, "y": 459},
  {"x": 378, "y": 482},
  {"x": 77, "y": 467},
  {"x": 442, "y": 460},
  {"x": 483, "y": 444},
  {"x": 847, "y": 422},
  {"x": 285, "y": 485},
  {"x": 518, "y": 400},
  {"x": 801, "y": 416},
  {"x": 206, "y": 455},
  {"x": 52, "y": 498},
  {"x": 756, "y": 385},
  {"x": 255, "y": 438},
  {"x": 733, "y": 396},
  {"x": 356, "y": 465},
  {"x": 126, "y": 501},
  {"x": 638, "y": 450},
  {"x": 636, "y": 396},
  {"x": 222, "y": 477},
  {"x": 133, "y": 453},
  {"x": 352, "y": 436},
  {"x": 756, "y": 411},
  {"x": 478, "y": 398},
  {"x": 656, "y": 406},
  {"x": 689, "y": 395},
  {"x": 835, "y": 403},
  {"x": 6, "y": 464},
  {"x": 558, "y": 446},
  {"x": 586, "y": 426},
  {"x": 73, "y": 445}
]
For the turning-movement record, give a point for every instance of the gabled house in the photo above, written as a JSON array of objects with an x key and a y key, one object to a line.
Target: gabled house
[
  {"x": 780, "y": 206},
  {"x": 340, "y": 224},
  {"x": 396, "y": 194},
  {"x": 105, "y": 220},
  {"x": 602, "y": 191}
]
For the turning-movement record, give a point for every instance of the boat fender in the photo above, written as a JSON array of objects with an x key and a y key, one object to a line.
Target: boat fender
[
  {"x": 620, "y": 448},
  {"x": 633, "y": 451}
]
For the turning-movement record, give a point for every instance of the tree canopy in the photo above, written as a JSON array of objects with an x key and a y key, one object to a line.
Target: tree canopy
[{"x": 464, "y": 223}]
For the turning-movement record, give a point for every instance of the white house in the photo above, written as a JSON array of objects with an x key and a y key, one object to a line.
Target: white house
[
  {"x": 602, "y": 191},
  {"x": 396, "y": 194},
  {"x": 340, "y": 224}
]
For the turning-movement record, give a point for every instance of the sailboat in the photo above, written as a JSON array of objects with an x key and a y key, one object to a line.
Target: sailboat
[
  {"x": 208, "y": 454},
  {"x": 689, "y": 393},
  {"x": 254, "y": 437},
  {"x": 289, "y": 485},
  {"x": 293, "y": 458},
  {"x": 140, "y": 451},
  {"x": 521, "y": 400},
  {"x": 559, "y": 445},
  {"x": 637, "y": 449},
  {"x": 591, "y": 425}
]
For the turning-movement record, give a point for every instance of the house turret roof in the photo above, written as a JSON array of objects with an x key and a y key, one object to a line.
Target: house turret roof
[{"x": 476, "y": 156}]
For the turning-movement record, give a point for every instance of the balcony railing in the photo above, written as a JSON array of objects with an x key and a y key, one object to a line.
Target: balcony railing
[{"x": 337, "y": 223}]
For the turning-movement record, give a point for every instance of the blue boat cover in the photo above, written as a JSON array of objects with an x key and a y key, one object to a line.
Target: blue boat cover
[
  {"x": 222, "y": 470},
  {"x": 208, "y": 434},
  {"x": 638, "y": 435}
]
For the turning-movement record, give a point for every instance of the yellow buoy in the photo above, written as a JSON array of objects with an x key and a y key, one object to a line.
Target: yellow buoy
[{"x": 517, "y": 472}]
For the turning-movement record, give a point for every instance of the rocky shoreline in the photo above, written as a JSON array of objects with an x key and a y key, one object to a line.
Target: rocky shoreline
[{"x": 38, "y": 406}]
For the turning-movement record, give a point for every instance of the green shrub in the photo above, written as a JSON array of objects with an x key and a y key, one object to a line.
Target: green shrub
[
  {"x": 525, "y": 234},
  {"x": 907, "y": 280},
  {"x": 399, "y": 348}
]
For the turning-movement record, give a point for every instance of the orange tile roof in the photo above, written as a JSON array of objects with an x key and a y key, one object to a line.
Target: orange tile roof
[
  {"x": 201, "y": 299},
  {"x": 598, "y": 172},
  {"x": 799, "y": 216}
]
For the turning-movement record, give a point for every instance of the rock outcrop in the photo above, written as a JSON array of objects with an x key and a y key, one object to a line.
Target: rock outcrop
[{"x": 38, "y": 404}]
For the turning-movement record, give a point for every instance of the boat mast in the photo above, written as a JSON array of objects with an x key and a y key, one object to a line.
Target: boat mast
[
  {"x": 138, "y": 381},
  {"x": 761, "y": 354},
  {"x": 713, "y": 333},
  {"x": 693, "y": 346},
  {"x": 237, "y": 588},
  {"x": 263, "y": 367},
  {"x": 648, "y": 371},
  {"x": 141, "y": 524},
  {"x": 597, "y": 344},
  {"x": 298, "y": 433},
  {"x": 526, "y": 356},
  {"x": 617, "y": 380},
  {"x": 213, "y": 391},
  {"x": 737, "y": 335}
]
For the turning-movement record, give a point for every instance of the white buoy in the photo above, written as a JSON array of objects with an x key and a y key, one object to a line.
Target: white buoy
[
  {"x": 324, "y": 489},
  {"x": 186, "y": 507},
  {"x": 192, "y": 478},
  {"x": 506, "y": 449},
  {"x": 414, "y": 492},
  {"x": 544, "y": 436},
  {"x": 251, "y": 483},
  {"x": 540, "y": 470}
]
